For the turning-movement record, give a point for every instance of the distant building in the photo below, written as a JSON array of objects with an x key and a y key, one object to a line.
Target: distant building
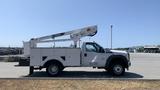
[
  {"x": 151, "y": 49},
  {"x": 142, "y": 49}
]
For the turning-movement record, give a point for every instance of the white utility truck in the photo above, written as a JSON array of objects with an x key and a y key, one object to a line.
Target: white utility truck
[{"x": 90, "y": 54}]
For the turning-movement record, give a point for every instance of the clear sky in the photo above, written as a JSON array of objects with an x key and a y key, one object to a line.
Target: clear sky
[{"x": 135, "y": 22}]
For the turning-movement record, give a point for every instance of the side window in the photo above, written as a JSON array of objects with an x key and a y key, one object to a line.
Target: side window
[{"x": 91, "y": 48}]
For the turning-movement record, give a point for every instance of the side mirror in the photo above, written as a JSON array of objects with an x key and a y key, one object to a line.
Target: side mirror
[{"x": 107, "y": 50}]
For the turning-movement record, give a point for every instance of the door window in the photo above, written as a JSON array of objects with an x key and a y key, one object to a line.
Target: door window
[{"x": 91, "y": 48}]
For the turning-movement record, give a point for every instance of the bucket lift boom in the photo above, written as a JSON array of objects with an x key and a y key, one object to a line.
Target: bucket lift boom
[{"x": 75, "y": 36}]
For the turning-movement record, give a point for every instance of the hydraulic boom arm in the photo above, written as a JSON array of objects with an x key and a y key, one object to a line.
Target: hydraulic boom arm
[{"x": 75, "y": 35}]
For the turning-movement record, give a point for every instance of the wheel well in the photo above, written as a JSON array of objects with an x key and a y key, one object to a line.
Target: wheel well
[
  {"x": 53, "y": 61},
  {"x": 120, "y": 60}
]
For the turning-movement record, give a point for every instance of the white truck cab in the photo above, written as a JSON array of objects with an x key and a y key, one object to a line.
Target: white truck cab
[{"x": 90, "y": 54}]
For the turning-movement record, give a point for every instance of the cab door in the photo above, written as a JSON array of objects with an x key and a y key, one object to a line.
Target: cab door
[{"x": 93, "y": 55}]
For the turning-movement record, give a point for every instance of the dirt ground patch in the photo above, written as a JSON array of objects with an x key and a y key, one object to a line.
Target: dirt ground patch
[{"x": 78, "y": 85}]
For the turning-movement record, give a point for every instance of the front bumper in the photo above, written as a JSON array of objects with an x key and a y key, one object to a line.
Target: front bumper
[{"x": 129, "y": 64}]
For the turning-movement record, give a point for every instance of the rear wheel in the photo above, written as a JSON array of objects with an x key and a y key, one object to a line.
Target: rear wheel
[
  {"x": 53, "y": 69},
  {"x": 117, "y": 69}
]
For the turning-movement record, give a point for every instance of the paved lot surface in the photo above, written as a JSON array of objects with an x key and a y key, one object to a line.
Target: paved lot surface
[
  {"x": 147, "y": 65},
  {"x": 144, "y": 66}
]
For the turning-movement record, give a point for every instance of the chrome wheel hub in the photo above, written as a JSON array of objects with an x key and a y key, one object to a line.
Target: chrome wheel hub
[{"x": 118, "y": 69}]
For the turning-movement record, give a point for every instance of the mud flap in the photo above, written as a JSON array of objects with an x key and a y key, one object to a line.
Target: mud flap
[{"x": 31, "y": 70}]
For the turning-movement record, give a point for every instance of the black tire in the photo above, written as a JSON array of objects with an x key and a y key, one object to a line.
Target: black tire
[
  {"x": 62, "y": 68},
  {"x": 106, "y": 69},
  {"x": 117, "y": 69},
  {"x": 31, "y": 70},
  {"x": 53, "y": 69}
]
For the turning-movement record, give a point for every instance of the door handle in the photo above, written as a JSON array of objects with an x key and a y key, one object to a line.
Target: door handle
[{"x": 85, "y": 54}]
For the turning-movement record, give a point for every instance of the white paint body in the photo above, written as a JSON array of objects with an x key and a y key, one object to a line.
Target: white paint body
[
  {"x": 74, "y": 57},
  {"x": 89, "y": 55}
]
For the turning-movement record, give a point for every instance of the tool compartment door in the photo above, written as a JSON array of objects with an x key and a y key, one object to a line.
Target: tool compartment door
[
  {"x": 73, "y": 57},
  {"x": 35, "y": 59}
]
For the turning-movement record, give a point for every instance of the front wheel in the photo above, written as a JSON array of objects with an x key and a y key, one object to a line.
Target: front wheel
[
  {"x": 117, "y": 69},
  {"x": 53, "y": 69}
]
